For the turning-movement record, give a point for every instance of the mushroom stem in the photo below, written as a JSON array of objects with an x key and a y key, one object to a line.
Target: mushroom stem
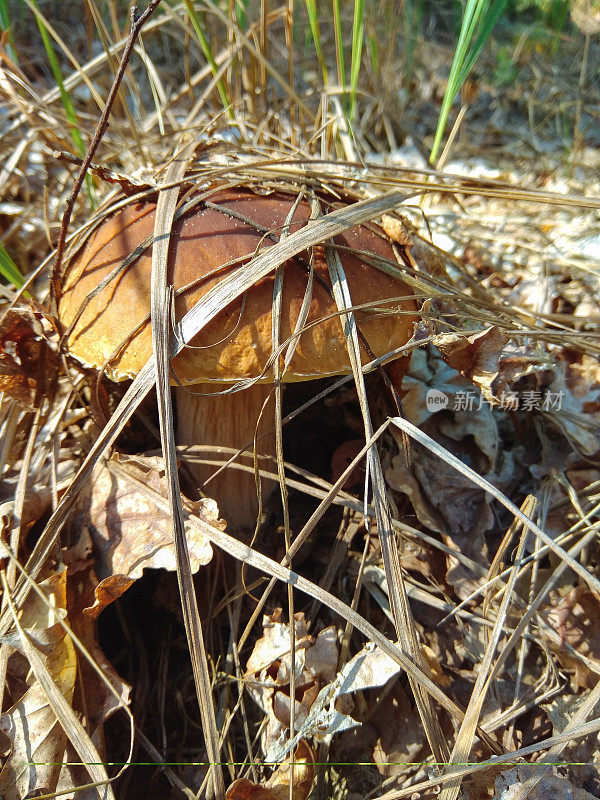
[{"x": 227, "y": 420}]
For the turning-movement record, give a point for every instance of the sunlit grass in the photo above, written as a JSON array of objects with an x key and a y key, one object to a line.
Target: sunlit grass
[
  {"x": 358, "y": 35},
  {"x": 479, "y": 19},
  {"x": 67, "y": 103},
  {"x": 313, "y": 20},
  {"x": 9, "y": 270},
  {"x": 349, "y": 91},
  {"x": 208, "y": 54},
  {"x": 6, "y": 27}
]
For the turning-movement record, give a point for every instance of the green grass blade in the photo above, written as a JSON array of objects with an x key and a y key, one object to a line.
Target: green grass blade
[
  {"x": 313, "y": 21},
  {"x": 65, "y": 99},
  {"x": 358, "y": 35},
  {"x": 479, "y": 19},
  {"x": 9, "y": 270},
  {"x": 6, "y": 27},
  {"x": 483, "y": 34},
  {"x": 208, "y": 55},
  {"x": 339, "y": 44},
  {"x": 241, "y": 14}
]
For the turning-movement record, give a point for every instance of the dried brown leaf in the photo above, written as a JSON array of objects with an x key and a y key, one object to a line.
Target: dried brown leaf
[
  {"x": 270, "y": 664},
  {"x": 298, "y": 772},
  {"x": 38, "y": 741},
  {"x": 92, "y": 696},
  {"x": 28, "y": 361},
  {"x": 576, "y": 620},
  {"x": 474, "y": 356},
  {"x": 128, "y": 531}
]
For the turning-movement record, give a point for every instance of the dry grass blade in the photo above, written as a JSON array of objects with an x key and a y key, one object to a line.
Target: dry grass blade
[
  {"x": 64, "y": 713},
  {"x": 161, "y": 330},
  {"x": 276, "y": 338},
  {"x": 325, "y": 170},
  {"x": 466, "y": 734},
  {"x": 137, "y": 23},
  {"x": 459, "y": 465},
  {"x": 328, "y": 498},
  {"x": 574, "y": 726},
  {"x": 403, "y": 621},
  {"x": 536, "y": 602},
  {"x": 265, "y": 63},
  {"x": 90, "y": 69},
  {"x": 567, "y": 736}
]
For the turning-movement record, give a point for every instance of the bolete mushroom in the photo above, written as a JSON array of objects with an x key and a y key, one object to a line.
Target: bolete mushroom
[{"x": 112, "y": 327}]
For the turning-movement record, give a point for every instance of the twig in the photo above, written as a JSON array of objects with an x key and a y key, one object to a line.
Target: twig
[{"x": 137, "y": 23}]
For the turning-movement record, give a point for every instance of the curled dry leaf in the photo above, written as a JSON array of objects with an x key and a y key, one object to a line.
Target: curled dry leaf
[
  {"x": 582, "y": 753},
  {"x": 92, "y": 693},
  {"x": 28, "y": 359},
  {"x": 391, "y": 737},
  {"x": 37, "y": 739},
  {"x": 576, "y": 621},
  {"x": 577, "y": 415},
  {"x": 38, "y": 498},
  {"x": 270, "y": 666},
  {"x": 551, "y": 786},
  {"x": 423, "y": 256},
  {"x": 298, "y": 772},
  {"x": 323, "y": 702},
  {"x": 443, "y": 499},
  {"x": 563, "y": 387},
  {"x": 329, "y": 713},
  {"x": 129, "y": 533},
  {"x": 474, "y": 356}
]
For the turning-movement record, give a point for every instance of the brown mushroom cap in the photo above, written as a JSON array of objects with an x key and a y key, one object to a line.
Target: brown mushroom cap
[{"x": 237, "y": 344}]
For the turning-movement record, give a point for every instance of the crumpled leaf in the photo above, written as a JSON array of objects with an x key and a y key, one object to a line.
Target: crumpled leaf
[
  {"x": 444, "y": 500},
  {"x": 128, "y": 531},
  {"x": 38, "y": 498},
  {"x": 576, "y": 620},
  {"x": 270, "y": 665},
  {"x": 391, "y": 738},
  {"x": 96, "y": 698},
  {"x": 325, "y": 704},
  {"x": 92, "y": 699},
  {"x": 330, "y": 711},
  {"x": 278, "y": 785},
  {"x": 424, "y": 256},
  {"x": 577, "y": 415},
  {"x": 28, "y": 360},
  {"x": 474, "y": 356},
  {"x": 37, "y": 739},
  {"x": 563, "y": 387},
  {"x": 551, "y": 786}
]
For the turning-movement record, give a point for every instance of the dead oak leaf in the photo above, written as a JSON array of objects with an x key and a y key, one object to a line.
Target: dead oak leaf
[
  {"x": 298, "y": 773},
  {"x": 475, "y": 356},
  {"x": 269, "y": 670},
  {"x": 99, "y": 692},
  {"x": 391, "y": 737},
  {"x": 28, "y": 359},
  {"x": 37, "y": 739},
  {"x": 576, "y": 620},
  {"x": 129, "y": 532}
]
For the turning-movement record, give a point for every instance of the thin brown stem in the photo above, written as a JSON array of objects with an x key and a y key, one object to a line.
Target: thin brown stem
[{"x": 137, "y": 23}]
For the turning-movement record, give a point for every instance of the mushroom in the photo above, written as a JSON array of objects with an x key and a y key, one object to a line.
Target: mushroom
[{"x": 111, "y": 329}]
